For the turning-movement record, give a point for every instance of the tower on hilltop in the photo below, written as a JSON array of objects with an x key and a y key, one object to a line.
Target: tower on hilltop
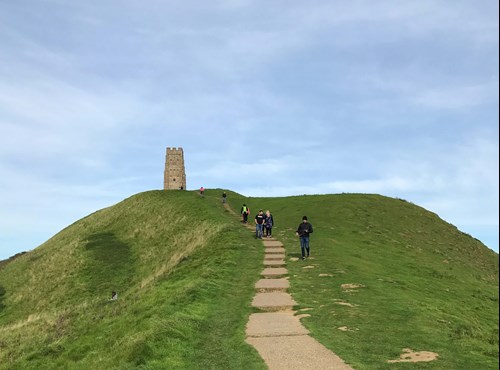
[{"x": 175, "y": 173}]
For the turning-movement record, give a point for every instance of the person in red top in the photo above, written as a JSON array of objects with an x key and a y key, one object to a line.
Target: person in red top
[{"x": 202, "y": 191}]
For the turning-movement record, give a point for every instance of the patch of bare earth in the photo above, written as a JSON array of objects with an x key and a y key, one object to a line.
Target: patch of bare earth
[
  {"x": 345, "y": 328},
  {"x": 306, "y": 309},
  {"x": 409, "y": 356},
  {"x": 352, "y": 286},
  {"x": 344, "y": 303}
]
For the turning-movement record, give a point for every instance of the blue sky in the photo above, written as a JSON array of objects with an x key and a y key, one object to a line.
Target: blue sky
[{"x": 266, "y": 98}]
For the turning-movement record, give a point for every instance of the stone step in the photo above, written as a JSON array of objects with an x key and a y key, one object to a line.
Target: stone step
[
  {"x": 266, "y": 247},
  {"x": 272, "y": 285},
  {"x": 274, "y": 301},
  {"x": 274, "y": 263},
  {"x": 275, "y": 250},
  {"x": 296, "y": 352},
  {"x": 271, "y": 272},
  {"x": 274, "y": 324},
  {"x": 271, "y": 256},
  {"x": 272, "y": 243}
]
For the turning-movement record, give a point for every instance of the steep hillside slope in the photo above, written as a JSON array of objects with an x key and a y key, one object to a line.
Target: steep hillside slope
[
  {"x": 184, "y": 272},
  {"x": 386, "y": 275}
]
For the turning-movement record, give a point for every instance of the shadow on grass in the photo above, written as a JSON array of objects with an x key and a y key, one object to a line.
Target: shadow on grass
[
  {"x": 298, "y": 254},
  {"x": 2, "y": 296},
  {"x": 109, "y": 265}
]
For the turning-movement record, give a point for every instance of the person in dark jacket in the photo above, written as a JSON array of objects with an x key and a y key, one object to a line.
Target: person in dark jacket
[
  {"x": 268, "y": 224},
  {"x": 303, "y": 231},
  {"x": 259, "y": 224}
]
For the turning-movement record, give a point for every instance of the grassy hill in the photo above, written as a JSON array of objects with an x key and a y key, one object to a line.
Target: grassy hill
[
  {"x": 184, "y": 270},
  {"x": 424, "y": 285}
]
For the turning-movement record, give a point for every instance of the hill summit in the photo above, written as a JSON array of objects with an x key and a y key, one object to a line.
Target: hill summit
[{"x": 184, "y": 270}]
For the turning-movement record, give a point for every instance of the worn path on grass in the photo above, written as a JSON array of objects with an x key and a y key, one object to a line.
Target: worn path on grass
[{"x": 276, "y": 332}]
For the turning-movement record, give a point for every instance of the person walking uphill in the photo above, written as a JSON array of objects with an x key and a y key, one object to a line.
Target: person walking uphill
[
  {"x": 303, "y": 231},
  {"x": 245, "y": 211},
  {"x": 259, "y": 224}
]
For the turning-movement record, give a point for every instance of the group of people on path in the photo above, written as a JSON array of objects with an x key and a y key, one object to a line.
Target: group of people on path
[{"x": 264, "y": 222}]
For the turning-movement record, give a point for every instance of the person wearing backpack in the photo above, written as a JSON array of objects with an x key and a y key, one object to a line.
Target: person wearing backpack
[
  {"x": 245, "y": 211},
  {"x": 303, "y": 231}
]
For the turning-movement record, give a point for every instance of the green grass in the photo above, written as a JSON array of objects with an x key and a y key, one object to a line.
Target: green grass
[
  {"x": 184, "y": 270},
  {"x": 426, "y": 285}
]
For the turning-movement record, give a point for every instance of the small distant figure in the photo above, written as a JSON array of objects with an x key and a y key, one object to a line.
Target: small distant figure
[
  {"x": 245, "y": 211},
  {"x": 269, "y": 223},
  {"x": 114, "y": 296},
  {"x": 259, "y": 224},
  {"x": 303, "y": 231},
  {"x": 224, "y": 196},
  {"x": 202, "y": 191},
  {"x": 181, "y": 188}
]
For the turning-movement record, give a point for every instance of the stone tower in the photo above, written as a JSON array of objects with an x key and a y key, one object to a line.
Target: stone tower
[{"x": 175, "y": 173}]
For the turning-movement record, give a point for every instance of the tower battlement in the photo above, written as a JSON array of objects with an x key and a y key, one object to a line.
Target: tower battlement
[{"x": 175, "y": 173}]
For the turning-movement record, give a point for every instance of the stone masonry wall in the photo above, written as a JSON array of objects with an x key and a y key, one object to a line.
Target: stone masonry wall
[{"x": 175, "y": 172}]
